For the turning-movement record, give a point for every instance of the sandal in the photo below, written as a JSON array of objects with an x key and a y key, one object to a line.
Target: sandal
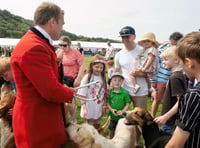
[{"x": 136, "y": 88}]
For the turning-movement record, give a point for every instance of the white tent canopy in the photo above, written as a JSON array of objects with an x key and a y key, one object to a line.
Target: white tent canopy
[
  {"x": 13, "y": 42},
  {"x": 8, "y": 42}
]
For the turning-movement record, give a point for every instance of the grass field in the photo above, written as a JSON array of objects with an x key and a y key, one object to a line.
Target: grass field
[
  {"x": 105, "y": 117},
  {"x": 80, "y": 120}
]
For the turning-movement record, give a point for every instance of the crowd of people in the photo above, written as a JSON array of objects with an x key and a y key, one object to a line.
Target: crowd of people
[
  {"x": 6, "y": 51},
  {"x": 44, "y": 78}
]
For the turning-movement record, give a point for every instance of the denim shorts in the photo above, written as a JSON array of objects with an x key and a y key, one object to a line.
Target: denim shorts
[{"x": 168, "y": 128}]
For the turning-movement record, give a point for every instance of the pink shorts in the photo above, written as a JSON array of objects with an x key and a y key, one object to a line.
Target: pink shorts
[{"x": 159, "y": 90}]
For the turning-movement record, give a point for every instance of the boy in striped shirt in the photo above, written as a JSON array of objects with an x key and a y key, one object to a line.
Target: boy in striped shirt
[{"x": 187, "y": 132}]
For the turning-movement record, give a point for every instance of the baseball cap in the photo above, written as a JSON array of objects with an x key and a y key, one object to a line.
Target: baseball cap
[
  {"x": 117, "y": 74},
  {"x": 127, "y": 31}
]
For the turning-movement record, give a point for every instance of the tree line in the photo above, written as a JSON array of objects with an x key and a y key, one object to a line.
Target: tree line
[{"x": 12, "y": 26}]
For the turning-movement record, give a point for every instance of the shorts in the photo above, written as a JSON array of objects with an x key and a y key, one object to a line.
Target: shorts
[
  {"x": 94, "y": 121},
  {"x": 168, "y": 129},
  {"x": 110, "y": 58},
  {"x": 159, "y": 90},
  {"x": 109, "y": 80},
  {"x": 113, "y": 124},
  {"x": 139, "y": 101}
]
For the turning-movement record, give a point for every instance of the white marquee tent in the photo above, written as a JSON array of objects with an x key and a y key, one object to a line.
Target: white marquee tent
[{"x": 88, "y": 45}]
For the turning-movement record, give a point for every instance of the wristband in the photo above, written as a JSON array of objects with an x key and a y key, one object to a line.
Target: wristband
[
  {"x": 83, "y": 103},
  {"x": 104, "y": 106},
  {"x": 59, "y": 59}
]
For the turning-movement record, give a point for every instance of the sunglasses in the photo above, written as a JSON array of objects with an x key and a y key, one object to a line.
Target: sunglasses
[
  {"x": 123, "y": 37},
  {"x": 62, "y": 45}
]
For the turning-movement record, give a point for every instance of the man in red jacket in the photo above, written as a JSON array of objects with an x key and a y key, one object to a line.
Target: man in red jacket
[{"x": 38, "y": 110}]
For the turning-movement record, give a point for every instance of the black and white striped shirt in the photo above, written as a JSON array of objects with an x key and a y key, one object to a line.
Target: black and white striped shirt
[{"x": 189, "y": 116}]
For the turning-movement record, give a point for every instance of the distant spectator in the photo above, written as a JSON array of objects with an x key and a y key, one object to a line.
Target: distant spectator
[
  {"x": 110, "y": 53},
  {"x": 79, "y": 48},
  {"x": 175, "y": 37},
  {"x": 110, "y": 69},
  {"x": 5, "y": 51}
]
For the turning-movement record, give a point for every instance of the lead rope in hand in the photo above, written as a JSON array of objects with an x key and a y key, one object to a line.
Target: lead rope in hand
[{"x": 81, "y": 98}]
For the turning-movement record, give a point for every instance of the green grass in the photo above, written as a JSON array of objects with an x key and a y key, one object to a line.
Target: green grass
[{"x": 105, "y": 117}]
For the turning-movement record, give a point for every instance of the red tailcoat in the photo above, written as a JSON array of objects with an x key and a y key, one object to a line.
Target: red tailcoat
[{"x": 37, "y": 113}]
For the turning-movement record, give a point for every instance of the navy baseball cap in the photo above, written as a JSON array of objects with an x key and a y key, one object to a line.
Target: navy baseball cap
[{"x": 127, "y": 31}]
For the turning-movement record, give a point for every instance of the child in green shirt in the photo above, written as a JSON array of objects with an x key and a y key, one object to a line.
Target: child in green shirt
[{"x": 117, "y": 102}]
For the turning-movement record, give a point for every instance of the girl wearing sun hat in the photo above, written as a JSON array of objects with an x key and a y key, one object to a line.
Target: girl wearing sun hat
[{"x": 147, "y": 60}]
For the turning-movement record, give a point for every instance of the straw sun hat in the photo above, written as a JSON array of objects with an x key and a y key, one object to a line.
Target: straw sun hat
[{"x": 149, "y": 36}]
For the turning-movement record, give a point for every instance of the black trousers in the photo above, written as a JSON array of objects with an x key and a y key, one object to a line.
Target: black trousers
[{"x": 68, "y": 81}]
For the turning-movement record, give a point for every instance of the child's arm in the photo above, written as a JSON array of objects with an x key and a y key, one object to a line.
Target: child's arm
[
  {"x": 163, "y": 119},
  {"x": 178, "y": 139},
  {"x": 104, "y": 104},
  {"x": 123, "y": 110},
  {"x": 111, "y": 109},
  {"x": 137, "y": 73},
  {"x": 77, "y": 81},
  {"x": 148, "y": 63},
  {"x": 82, "y": 93}
]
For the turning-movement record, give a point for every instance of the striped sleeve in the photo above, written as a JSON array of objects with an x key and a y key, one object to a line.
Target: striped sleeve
[
  {"x": 189, "y": 117},
  {"x": 189, "y": 111}
]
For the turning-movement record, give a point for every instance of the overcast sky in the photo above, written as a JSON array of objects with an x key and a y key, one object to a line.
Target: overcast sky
[{"x": 105, "y": 18}]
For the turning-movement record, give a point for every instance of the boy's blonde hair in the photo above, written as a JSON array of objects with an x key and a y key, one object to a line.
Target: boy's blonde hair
[
  {"x": 189, "y": 47},
  {"x": 4, "y": 64},
  {"x": 169, "y": 52}
]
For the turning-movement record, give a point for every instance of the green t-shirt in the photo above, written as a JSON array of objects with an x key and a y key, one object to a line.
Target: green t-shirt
[{"x": 118, "y": 101}]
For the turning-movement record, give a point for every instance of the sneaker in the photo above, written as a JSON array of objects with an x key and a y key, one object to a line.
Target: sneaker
[{"x": 136, "y": 88}]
